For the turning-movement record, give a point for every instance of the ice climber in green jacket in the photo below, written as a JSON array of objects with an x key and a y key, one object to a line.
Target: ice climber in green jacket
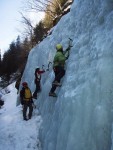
[{"x": 58, "y": 67}]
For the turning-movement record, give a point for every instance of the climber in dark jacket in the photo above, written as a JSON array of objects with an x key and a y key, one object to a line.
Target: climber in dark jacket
[
  {"x": 26, "y": 101},
  {"x": 38, "y": 73},
  {"x": 17, "y": 84}
]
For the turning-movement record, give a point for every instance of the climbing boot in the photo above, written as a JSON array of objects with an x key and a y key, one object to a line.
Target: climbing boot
[
  {"x": 57, "y": 83},
  {"x": 52, "y": 94},
  {"x": 25, "y": 119}
]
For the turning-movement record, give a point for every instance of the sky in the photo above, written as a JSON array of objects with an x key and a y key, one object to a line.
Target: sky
[
  {"x": 15, "y": 133},
  {"x": 10, "y": 18}
]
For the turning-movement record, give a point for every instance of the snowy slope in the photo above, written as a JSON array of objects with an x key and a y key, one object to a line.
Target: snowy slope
[
  {"x": 81, "y": 117},
  {"x": 15, "y": 133}
]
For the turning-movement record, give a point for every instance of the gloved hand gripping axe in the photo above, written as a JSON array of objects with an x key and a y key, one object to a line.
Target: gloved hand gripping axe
[{"x": 68, "y": 49}]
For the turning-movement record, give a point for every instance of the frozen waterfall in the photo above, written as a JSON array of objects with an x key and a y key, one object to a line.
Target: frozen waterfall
[{"x": 81, "y": 117}]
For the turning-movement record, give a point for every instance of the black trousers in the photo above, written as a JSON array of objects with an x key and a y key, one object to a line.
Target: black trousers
[
  {"x": 38, "y": 89},
  {"x": 25, "y": 107},
  {"x": 59, "y": 73}
]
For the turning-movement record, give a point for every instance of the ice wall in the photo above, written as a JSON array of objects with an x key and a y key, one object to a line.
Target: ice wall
[{"x": 81, "y": 117}]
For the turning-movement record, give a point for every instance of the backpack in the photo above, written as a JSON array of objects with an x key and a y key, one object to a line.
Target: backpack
[{"x": 27, "y": 94}]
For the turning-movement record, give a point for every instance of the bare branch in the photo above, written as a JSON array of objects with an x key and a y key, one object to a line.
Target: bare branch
[
  {"x": 42, "y": 6},
  {"x": 26, "y": 20},
  {"x": 28, "y": 27}
]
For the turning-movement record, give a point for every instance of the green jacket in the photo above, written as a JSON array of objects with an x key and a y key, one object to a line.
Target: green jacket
[{"x": 60, "y": 58}]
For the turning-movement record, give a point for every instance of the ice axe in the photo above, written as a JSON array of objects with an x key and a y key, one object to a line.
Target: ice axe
[
  {"x": 49, "y": 65},
  {"x": 70, "y": 42}
]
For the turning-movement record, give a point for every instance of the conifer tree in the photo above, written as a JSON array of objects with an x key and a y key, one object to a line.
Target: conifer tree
[{"x": 39, "y": 32}]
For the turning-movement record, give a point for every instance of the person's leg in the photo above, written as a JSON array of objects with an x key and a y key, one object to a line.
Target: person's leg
[
  {"x": 56, "y": 72},
  {"x": 30, "y": 110},
  {"x": 37, "y": 89},
  {"x": 35, "y": 93},
  {"x": 24, "y": 111},
  {"x": 60, "y": 74},
  {"x": 53, "y": 88}
]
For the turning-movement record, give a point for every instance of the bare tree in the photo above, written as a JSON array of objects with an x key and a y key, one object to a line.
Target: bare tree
[
  {"x": 28, "y": 27},
  {"x": 47, "y": 6},
  {"x": 27, "y": 24}
]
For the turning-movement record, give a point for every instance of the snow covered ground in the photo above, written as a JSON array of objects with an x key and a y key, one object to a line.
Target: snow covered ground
[{"x": 15, "y": 133}]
